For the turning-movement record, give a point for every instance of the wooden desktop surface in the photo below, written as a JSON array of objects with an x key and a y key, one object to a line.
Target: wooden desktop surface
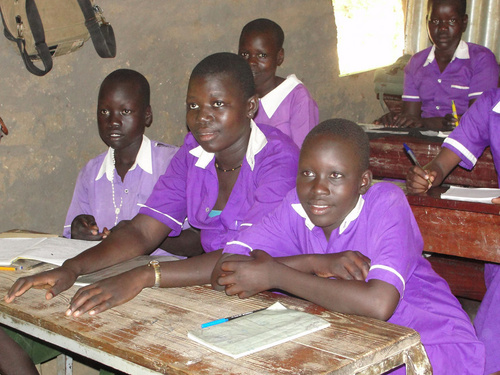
[
  {"x": 388, "y": 159},
  {"x": 149, "y": 334}
]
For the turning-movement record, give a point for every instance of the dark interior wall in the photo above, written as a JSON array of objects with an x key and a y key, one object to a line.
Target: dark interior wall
[{"x": 52, "y": 122}]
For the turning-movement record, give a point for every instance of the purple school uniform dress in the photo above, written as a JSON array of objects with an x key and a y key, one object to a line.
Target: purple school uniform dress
[
  {"x": 472, "y": 71},
  {"x": 383, "y": 228},
  {"x": 478, "y": 129},
  {"x": 93, "y": 193},
  {"x": 190, "y": 187},
  {"x": 290, "y": 108}
]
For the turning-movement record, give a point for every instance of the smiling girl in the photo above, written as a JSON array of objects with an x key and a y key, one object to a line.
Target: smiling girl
[
  {"x": 227, "y": 175},
  {"x": 353, "y": 248}
]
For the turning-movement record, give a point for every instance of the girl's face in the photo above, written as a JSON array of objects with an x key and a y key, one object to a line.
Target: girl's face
[
  {"x": 445, "y": 25},
  {"x": 262, "y": 54},
  {"x": 122, "y": 115},
  {"x": 217, "y": 113},
  {"x": 329, "y": 181}
]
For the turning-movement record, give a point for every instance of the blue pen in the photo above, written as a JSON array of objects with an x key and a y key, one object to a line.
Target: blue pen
[
  {"x": 223, "y": 320},
  {"x": 414, "y": 159},
  {"x": 411, "y": 155}
]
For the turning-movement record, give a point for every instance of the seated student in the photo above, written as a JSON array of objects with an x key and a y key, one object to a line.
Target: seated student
[
  {"x": 283, "y": 103},
  {"x": 450, "y": 70},
  {"x": 227, "y": 175},
  {"x": 478, "y": 129},
  {"x": 111, "y": 187},
  {"x": 335, "y": 224}
]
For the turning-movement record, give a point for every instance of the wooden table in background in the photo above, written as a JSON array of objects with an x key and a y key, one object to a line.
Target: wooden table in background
[
  {"x": 388, "y": 159},
  {"x": 148, "y": 335},
  {"x": 460, "y": 236}
]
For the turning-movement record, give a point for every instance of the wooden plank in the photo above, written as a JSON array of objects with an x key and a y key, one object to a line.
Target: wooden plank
[
  {"x": 389, "y": 160},
  {"x": 465, "y": 277},
  {"x": 150, "y": 332}
]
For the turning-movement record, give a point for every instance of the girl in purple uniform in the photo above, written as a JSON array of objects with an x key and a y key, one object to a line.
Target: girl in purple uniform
[
  {"x": 227, "y": 175},
  {"x": 283, "y": 103},
  {"x": 478, "y": 129},
  {"x": 452, "y": 70},
  {"x": 351, "y": 247}
]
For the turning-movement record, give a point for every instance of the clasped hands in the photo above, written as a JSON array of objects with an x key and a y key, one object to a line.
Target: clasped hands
[{"x": 246, "y": 276}]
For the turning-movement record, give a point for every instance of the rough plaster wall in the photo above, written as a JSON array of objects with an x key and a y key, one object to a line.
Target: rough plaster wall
[{"x": 51, "y": 119}]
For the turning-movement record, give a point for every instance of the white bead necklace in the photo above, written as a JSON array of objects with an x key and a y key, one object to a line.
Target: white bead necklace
[{"x": 117, "y": 209}]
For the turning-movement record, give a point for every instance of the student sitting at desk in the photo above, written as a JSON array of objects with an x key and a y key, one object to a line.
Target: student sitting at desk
[
  {"x": 451, "y": 71},
  {"x": 283, "y": 103},
  {"x": 111, "y": 187},
  {"x": 478, "y": 129},
  {"x": 227, "y": 175},
  {"x": 353, "y": 248}
]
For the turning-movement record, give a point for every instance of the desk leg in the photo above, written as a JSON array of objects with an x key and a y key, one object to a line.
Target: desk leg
[
  {"x": 416, "y": 360},
  {"x": 64, "y": 365}
]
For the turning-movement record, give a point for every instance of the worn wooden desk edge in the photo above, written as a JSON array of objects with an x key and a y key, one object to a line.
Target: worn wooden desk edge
[{"x": 74, "y": 346}]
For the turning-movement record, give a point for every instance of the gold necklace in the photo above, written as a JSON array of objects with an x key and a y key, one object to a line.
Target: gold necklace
[{"x": 227, "y": 170}]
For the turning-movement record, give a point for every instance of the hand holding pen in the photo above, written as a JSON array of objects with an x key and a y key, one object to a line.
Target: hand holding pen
[{"x": 418, "y": 180}]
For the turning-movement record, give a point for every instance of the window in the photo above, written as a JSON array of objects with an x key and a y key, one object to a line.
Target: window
[{"x": 370, "y": 34}]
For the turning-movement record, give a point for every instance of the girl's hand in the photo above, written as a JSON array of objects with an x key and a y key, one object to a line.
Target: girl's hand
[
  {"x": 249, "y": 277},
  {"x": 495, "y": 200},
  {"x": 84, "y": 227},
  {"x": 347, "y": 265},
  {"x": 108, "y": 293},
  {"x": 418, "y": 180},
  {"x": 58, "y": 280}
]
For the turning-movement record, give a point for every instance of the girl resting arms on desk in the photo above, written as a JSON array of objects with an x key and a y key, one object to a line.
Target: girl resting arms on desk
[
  {"x": 228, "y": 174},
  {"x": 478, "y": 129},
  {"x": 450, "y": 70},
  {"x": 111, "y": 186},
  {"x": 283, "y": 103},
  {"x": 333, "y": 214}
]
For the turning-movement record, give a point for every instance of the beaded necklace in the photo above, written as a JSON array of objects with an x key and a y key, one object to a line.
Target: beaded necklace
[
  {"x": 117, "y": 209},
  {"x": 227, "y": 170}
]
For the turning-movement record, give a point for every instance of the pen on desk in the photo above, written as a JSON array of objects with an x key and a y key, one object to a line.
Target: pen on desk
[
  {"x": 10, "y": 268},
  {"x": 223, "y": 320},
  {"x": 414, "y": 159},
  {"x": 454, "y": 109}
]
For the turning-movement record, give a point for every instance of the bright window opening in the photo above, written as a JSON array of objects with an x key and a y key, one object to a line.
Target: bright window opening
[{"x": 370, "y": 34}]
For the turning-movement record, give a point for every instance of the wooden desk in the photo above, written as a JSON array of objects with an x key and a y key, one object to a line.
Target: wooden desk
[
  {"x": 388, "y": 159},
  {"x": 149, "y": 335},
  {"x": 466, "y": 233}
]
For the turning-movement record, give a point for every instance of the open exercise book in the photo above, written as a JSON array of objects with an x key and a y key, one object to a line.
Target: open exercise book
[
  {"x": 261, "y": 330},
  {"x": 481, "y": 195},
  {"x": 54, "y": 250}
]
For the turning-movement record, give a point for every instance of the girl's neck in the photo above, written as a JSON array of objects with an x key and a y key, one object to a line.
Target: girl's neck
[
  {"x": 125, "y": 159},
  {"x": 233, "y": 156},
  {"x": 268, "y": 86}
]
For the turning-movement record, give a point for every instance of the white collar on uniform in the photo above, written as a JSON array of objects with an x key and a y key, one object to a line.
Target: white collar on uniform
[
  {"x": 256, "y": 143},
  {"x": 496, "y": 108},
  {"x": 462, "y": 52},
  {"x": 143, "y": 159},
  {"x": 272, "y": 100},
  {"x": 353, "y": 215}
]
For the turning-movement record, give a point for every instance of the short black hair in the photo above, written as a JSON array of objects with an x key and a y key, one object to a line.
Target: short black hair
[
  {"x": 348, "y": 131},
  {"x": 267, "y": 26},
  {"x": 461, "y": 5},
  {"x": 130, "y": 76},
  {"x": 227, "y": 63}
]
